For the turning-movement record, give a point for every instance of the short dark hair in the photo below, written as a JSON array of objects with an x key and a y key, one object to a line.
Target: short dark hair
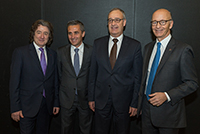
[
  {"x": 34, "y": 28},
  {"x": 124, "y": 15},
  {"x": 76, "y": 22}
]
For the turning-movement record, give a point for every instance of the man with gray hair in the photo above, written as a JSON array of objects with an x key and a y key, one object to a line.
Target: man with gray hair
[
  {"x": 115, "y": 75},
  {"x": 73, "y": 67}
]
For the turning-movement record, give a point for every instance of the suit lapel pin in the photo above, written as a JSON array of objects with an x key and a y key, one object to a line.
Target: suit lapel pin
[{"x": 170, "y": 49}]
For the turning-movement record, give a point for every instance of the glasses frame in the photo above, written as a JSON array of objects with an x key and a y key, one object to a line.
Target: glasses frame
[
  {"x": 116, "y": 20},
  {"x": 160, "y": 22}
]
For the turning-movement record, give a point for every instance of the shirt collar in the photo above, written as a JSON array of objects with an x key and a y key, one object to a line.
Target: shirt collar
[
  {"x": 80, "y": 47},
  {"x": 37, "y": 47},
  {"x": 165, "y": 41},
  {"x": 120, "y": 38}
]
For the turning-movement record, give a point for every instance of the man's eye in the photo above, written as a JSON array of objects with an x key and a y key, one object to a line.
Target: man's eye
[{"x": 162, "y": 22}]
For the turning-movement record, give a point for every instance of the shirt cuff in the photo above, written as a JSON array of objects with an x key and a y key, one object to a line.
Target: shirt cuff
[{"x": 168, "y": 98}]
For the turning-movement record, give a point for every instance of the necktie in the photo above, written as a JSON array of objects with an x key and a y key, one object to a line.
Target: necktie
[
  {"x": 113, "y": 53},
  {"x": 76, "y": 64},
  {"x": 76, "y": 61},
  {"x": 43, "y": 64},
  {"x": 153, "y": 71}
]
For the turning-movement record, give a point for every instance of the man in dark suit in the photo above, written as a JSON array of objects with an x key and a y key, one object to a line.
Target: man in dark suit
[
  {"x": 34, "y": 81},
  {"x": 115, "y": 75},
  {"x": 167, "y": 79},
  {"x": 73, "y": 66}
]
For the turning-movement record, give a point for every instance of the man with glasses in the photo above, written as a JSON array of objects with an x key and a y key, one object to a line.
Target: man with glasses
[
  {"x": 115, "y": 75},
  {"x": 168, "y": 76}
]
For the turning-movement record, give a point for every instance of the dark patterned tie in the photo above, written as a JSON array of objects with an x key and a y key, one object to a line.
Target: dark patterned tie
[
  {"x": 43, "y": 64},
  {"x": 113, "y": 53}
]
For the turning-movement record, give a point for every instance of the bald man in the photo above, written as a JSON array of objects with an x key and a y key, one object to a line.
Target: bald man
[{"x": 168, "y": 76}]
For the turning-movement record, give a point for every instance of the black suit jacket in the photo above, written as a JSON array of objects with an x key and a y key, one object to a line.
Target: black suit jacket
[
  {"x": 123, "y": 81},
  {"x": 68, "y": 79},
  {"x": 27, "y": 81},
  {"x": 176, "y": 75}
]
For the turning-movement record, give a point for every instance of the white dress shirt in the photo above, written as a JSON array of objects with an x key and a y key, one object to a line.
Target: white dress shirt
[
  {"x": 163, "y": 46},
  {"x": 111, "y": 43},
  {"x": 39, "y": 52},
  {"x": 80, "y": 53}
]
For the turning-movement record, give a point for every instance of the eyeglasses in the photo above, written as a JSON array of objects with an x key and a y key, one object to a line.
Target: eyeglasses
[
  {"x": 117, "y": 20},
  {"x": 161, "y": 22}
]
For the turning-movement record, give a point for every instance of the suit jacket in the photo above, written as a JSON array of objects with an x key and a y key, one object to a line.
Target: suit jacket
[
  {"x": 176, "y": 75},
  {"x": 27, "y": 81},
  {"x": 123, "y": 81},
  {"x": 68, "y": 79}
]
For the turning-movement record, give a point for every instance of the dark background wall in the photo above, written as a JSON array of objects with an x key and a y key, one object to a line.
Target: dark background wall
[{"x": 17, "y": 16}]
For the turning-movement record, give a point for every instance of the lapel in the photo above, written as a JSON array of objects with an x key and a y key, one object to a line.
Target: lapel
[
  {"x": 104, "y": 52},
  {"x": 67, "y": 54},
  {"x": 85, "y": 57},
  {"x": 122, "y": 52},
  {"x": 170, "y": 48},
  {"x": 147, "y": 55},
  {"x": 35, "y": 57},
  {"x": 50, "y": 61}
]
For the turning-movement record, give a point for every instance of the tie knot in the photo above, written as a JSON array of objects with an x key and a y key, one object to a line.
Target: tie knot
[
  {"x": 115, "y": 40},
  {"x": 158, "y": 44},
  {"x": 41, "y": 49},
  {"x": 76, "y": 50}
]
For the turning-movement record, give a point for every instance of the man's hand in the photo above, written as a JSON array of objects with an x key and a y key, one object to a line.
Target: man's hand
[
  {"x": 16, "y": 115},
  {"x": 157, "y": 98},
  {"x": 56, "y": 110},
  {"x": 92, "y": 105},
  {"x": 132, "y": 111}
]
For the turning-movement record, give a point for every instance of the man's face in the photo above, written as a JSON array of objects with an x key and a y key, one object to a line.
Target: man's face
[
  {"x": 41, "y": 36},
  {"x": 116, "y": 28},
  {"x": 161, "y": 31},
  {"x": 75, "y": 35}
]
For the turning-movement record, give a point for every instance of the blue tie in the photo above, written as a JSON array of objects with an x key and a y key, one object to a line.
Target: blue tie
[
  {"x": 153, "y": 71},
  {"x": 43, "y": 64},
  {"x": 76, "y": 61}
]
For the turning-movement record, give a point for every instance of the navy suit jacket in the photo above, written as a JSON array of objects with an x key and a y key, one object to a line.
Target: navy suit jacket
[
  {"x": 123, "y": 81},
  {"x": 27, "y": 81},
  {"x": 176, "y": 75}
]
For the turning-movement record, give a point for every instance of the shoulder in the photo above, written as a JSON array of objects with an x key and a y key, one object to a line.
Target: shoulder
[
  {"x": 129, "y": 39},
  {"x": 182, "y": 47},
  {"x": 88, "y": 46},
  {"x": 102, "y": 38},
  {"x": 25, "y": 47},
  {"x": 22, "y": 49},
  {"x": 62, "y": 48}
]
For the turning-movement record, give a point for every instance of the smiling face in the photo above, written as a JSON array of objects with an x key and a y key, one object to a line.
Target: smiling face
[
  {"x": 41, "y": 36},
  {"x": 75, "y": 35},
  {"x": 116, "y": 29},
  {"x": 161, "y": 32}
]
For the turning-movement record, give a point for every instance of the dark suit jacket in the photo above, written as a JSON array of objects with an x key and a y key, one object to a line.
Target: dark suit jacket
[
  {"x": 27, "y": 81},
  {"x": 123, "y": 81},
  {"x": 176, "y": 75},
  {"x": 68, "y": 79}
]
